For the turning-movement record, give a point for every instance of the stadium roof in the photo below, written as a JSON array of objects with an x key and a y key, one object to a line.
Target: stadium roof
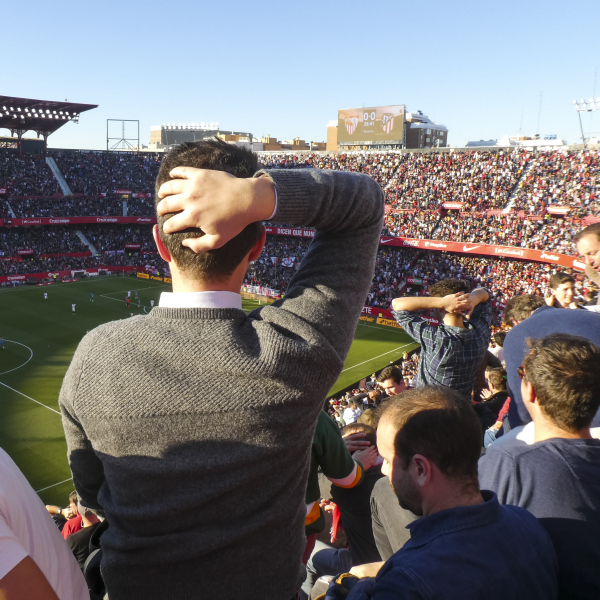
[{"x": 42, "y": 116}]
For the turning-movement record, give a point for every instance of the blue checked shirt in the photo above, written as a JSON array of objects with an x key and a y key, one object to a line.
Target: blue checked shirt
[{"x": 450, "y": 356}]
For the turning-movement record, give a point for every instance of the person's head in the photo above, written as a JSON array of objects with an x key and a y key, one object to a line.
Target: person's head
[
  {"x": 215, "y": 265},
  {"x": 519, "y": 308},
  {"x": 370, "y": 434},
  {"x": 588, "y": 245},
  {"x": 445, "y": 287},
  {"x": 391, "y": 380},
  {"x": 496, "y": 380},
  {"x": 73, "y": 502},
  {"x": 561, "y": 381},
  {"x": 563, "y": 287},
  {"x": 430, "y": 440},
  {"x": 499, "y": 338}
]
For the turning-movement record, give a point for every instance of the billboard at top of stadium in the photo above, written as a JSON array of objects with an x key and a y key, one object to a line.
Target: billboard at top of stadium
[{"x": 378, "y": 124}]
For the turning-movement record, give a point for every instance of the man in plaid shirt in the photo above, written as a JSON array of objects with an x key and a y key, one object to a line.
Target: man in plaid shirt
[{"x": 451, "y": 352}]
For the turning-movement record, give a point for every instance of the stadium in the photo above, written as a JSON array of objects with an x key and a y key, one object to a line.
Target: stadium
[{"x": 77, "y": 250}]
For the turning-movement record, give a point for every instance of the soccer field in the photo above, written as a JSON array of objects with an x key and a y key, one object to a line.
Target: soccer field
[{"x": 40, "y": 338}]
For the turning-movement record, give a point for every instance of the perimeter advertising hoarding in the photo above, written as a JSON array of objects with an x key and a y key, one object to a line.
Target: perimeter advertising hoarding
[{"x": 371, "y": 125}]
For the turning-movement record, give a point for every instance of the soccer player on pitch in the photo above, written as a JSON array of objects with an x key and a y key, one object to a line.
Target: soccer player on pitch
[
  {"x": 127, "y": 300},
  {"x": 73, "y": 309},
  {"x": 151, "y": 303},
  {"x": 45, "y": 296},
  {"x": 92, "y": 297}
]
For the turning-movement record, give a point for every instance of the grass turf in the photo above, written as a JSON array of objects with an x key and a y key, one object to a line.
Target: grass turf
[{"x": 41, "y": 336}]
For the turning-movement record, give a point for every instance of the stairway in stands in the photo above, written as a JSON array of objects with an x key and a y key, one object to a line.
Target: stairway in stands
[
  {"x": 87, "y": 242},
  {"x": 513, "y": 194},
  {"x": 10, "y": 210},
  {"x": 64, "y": 186}
]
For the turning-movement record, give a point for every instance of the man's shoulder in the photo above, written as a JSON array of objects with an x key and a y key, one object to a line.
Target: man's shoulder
[{"x": 107, "y": 331}]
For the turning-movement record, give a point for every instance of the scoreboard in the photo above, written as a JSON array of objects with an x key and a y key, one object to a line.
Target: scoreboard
[{"x": 371, "y": 125}]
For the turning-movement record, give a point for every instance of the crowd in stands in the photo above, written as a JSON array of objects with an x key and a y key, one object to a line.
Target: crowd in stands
[
  {"x": 50, "y": 264},
  {"x": 26, "y": 175},
  {"x": 207, "y": 461},
  {"x": 67, "y": 207},
  {"x": 42, "y": 240},
  {"x": 561, "y": 178},
  {"x": 110, "y": 237},
  {"x": 93, "y": 173},
  {"x": 141, "y": 207}
]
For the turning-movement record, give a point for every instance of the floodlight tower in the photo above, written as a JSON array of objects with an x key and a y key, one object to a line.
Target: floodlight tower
[{"x": 582, "y": 106}]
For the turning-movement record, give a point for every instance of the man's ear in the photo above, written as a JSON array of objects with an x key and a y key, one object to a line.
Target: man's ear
[
  {"x": 528, "y": 393},
  {"x": 164, "y": 253},
  {"x": 260, "y": 244}
]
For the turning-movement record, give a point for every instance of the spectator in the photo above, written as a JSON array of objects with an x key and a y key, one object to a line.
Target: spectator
[
  {"x": 498, "y": 349},
  {"x": 79, "y": 542},
  {"x": 391, "y": 380},
  {"x": 557, "y": 479},
  {"x": 562, "y": 288},
  {"x": 240, "y": 480},
  {"x": 451, "y": 353},
  {"x": 35, "y": 563},
  {"x": 430, "y": 441},
  {"x": 534, "y": 320},
  {"x": 351, "y": 413},
  {"x": 61, "y": 515}
]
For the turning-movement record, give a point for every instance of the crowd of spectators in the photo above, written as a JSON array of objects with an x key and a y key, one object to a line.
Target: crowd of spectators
[
  {"x": 98, "y": 172},
  {"x": 26, "y": 175},
  {"x": 110, "y": 237},
  {"x": 561, "y": 178},
  {"x": 36, "y": 264},
  {"x": 67, "y": 207},
  {"x": 42, "y": 240}
]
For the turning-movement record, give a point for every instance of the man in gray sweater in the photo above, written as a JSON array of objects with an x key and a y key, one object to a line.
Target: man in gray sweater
[{"x": 191, "y": 427}]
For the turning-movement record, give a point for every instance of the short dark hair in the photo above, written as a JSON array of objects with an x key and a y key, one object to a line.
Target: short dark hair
[
  {"x": 370, "y": 434},
  {"x": 440, "y": 424},
  {"x": 564, "y": 371},
  {"x": 519, "y": 308},
  {"x": 391, "y": 372},
  {"x": 560, "y": 278},
  {"x": 499, "y": 338},
  {"x": 445, "y": 287},
  {"x": 216, "y": 155},
  {"x": 497, "y": 377},
  {"x": 593, "y": 229}
]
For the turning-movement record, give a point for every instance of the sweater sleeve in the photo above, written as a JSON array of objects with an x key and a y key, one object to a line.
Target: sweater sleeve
[
  {"x": 86, "y": 467},
  {"x": 330, "y": 288}
]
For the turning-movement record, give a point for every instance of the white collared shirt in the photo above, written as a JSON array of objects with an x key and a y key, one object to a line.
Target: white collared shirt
[{"x": 220, "y": 299}]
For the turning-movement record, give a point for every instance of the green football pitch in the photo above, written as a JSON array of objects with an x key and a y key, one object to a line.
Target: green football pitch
[{"x": 40, "y": 337}]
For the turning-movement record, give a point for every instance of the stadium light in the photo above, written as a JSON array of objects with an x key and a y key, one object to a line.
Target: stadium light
[{"x": 582, "y": 106}]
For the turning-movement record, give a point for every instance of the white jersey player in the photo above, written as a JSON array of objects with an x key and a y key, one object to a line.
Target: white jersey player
[
  {"x": 72, "y": 309},
  {"x": 151, "y": 303},
  {"x": 45, "y": 296},
  {"x": 129, "y": 294}
]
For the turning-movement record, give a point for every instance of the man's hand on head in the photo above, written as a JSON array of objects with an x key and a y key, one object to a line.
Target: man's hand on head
[
  {"x": 457, "y": 303},
  {"x": 216, "y": 202},
  {"x": 366, "y": 457}
]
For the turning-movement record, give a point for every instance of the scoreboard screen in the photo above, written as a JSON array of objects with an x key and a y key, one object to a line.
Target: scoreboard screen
[{"x": 378, "y": 124}]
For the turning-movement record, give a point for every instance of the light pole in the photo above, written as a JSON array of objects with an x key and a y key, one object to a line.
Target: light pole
[{"x": 582, "y": 106}]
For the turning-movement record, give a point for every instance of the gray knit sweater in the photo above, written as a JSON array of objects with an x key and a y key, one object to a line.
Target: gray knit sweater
[{"x": 191, "y": 428}]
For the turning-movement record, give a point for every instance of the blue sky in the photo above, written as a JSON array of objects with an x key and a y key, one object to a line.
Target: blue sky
[{"x": 285, "y": 68}]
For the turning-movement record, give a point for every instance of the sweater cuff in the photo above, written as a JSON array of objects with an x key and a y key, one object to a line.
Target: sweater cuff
[{"x": 292, "y": 195}]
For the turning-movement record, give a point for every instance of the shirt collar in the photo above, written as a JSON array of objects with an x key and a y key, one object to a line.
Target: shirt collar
[
  {"x": 425, "y": 529},
  {"x": 220, "y": 299}
]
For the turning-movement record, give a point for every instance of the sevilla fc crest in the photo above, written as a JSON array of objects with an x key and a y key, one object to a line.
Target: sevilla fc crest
[
  {"x": 387, "y": 122},
  {"x": 351, "y": 124}
]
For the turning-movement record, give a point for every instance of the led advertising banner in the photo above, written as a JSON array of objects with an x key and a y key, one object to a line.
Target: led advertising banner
[{"x": 380, "y": 124}]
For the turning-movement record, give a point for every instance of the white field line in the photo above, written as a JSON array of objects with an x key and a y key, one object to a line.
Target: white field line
[
  {"x": 374, "y": 357},
  {"x": 30, "y": 357},
  {"x": 131, "y": 305},
  {"x": 53, "y": 485},
  {"x": 25, "y": 396}
]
